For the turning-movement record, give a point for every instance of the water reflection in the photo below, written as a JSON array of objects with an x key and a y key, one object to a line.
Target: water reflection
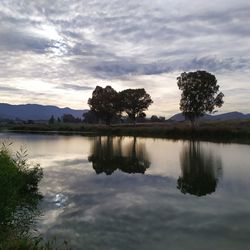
[
  {"x": 201, "y": 170},
  {"x": 110, "y": 154}
]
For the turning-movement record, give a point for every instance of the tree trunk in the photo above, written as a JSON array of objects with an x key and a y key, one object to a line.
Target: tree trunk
[
  {"x": 108, "y": 120},
  {"x": 134, "y": 120}
]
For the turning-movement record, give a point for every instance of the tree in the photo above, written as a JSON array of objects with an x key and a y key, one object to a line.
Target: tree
[
  {"x": 104, "y": 103},
  {"x": 68, "y": 118},
  {"x": 52, "y": 120},
  {"x": 90, "y": 117},
  {"x": 154, "y": 118},
  {"x": 134, "y": 102},
  {"x": 199, "y": 94}
]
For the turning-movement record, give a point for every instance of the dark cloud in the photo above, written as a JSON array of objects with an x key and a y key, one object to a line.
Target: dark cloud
[
  {"x": 127, "y": 68},
  {"x": 21, "y": 41}
]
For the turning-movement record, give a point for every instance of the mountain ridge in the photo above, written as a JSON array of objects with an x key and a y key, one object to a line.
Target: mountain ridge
[
  {"x": 42, "y": 112},
  {"x": 36, "y": 111},
  {"x": 234, "y": 115}
]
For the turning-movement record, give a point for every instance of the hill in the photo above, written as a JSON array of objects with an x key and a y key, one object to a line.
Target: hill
[
  {"x": 222, "y": 117},
  {"x": 35, "y": 112}
]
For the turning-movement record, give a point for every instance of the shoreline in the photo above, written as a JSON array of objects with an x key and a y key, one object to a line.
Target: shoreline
[{"x": 226, "y": 131}]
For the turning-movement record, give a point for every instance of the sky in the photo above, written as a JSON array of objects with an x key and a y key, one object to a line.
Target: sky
[{"x": 56, "y": 52}]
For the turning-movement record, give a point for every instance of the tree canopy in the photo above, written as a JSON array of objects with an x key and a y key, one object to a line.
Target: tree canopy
[
  {"x": 199, "y": 94},
  {"x": 107, "y": 104},
  {"x": 104, "y": 103},
  {"x": 134, "y": 102}
]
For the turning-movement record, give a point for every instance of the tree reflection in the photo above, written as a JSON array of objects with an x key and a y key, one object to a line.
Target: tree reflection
[
  {"x": 200, "y": 170},
  {"x": 110, "y": 154}
]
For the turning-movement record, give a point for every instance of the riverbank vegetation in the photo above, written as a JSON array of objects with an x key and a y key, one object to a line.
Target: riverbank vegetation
[
  {"x": 212, "y": 130},
  {"x": 19, "y": 203},
  {"x": 19, "y": 197}
]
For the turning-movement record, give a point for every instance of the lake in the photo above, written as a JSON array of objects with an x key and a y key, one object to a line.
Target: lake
[{"x": 141, "y": 193}]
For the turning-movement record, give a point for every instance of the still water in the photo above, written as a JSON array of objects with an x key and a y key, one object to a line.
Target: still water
[{"x": 142, "y": 193}]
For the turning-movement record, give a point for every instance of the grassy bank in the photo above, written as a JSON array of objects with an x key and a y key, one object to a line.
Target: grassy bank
[{"x": 226, "y": 130}]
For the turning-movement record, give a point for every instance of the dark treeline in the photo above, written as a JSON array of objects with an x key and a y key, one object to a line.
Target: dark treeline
[
  {"x": 66, "y": 118},
  {"x": 109, "y": 106}
]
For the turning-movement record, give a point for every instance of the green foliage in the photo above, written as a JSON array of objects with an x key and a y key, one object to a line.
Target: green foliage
[
  {"x": 134, "y": 102},
  {"x": 28, "y": 242},
  {"x": 199, "y": 94},
  {"x": 19, "y": 193},
  {"x": 19, "y": 203}
]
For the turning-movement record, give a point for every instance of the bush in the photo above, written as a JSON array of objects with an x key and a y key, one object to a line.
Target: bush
[
  {"x": 19, "y": 203},
  {"x": 19, "y": 193}
]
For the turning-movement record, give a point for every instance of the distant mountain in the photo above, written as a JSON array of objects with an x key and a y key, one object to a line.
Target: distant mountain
[
  {"x": 35, "y": 112},
  {"x": 222, "y": 117}
]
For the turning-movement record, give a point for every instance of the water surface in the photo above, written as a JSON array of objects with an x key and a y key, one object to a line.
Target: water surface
[{"x": 137, "y": 193}]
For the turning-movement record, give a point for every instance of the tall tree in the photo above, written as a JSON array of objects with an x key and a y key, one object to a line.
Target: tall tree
[
  {"x": 52, "y": 120},
  {"x": 104, "y": 103},
  {"x": 199, "y": 94},
  {"x": 134, "y": 102}
]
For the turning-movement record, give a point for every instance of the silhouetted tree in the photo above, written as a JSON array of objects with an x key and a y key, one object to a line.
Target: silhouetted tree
[
  {"x": 200, "y": 170},
  {"x": 134, "y": 102},
  {"x": 199, "y": 94},
  {"x": 155, "y": 118},
  {"x": 68, "y": 118},
  {"x": 90, "y": 117},
  {"x": 52, "y": 120},
  {"x": 104, "y": 103},
  {"x": 58, "y": 119}
]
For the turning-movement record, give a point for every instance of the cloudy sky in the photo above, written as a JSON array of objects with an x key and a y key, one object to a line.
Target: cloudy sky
[{"x": 56, "y": 52}]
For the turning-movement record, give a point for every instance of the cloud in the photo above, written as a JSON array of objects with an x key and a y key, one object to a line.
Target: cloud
[
  {"x": 74, "y": 87},
  {"x": 92, "y": 41},
  {"x": 10, "y": 89}
]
